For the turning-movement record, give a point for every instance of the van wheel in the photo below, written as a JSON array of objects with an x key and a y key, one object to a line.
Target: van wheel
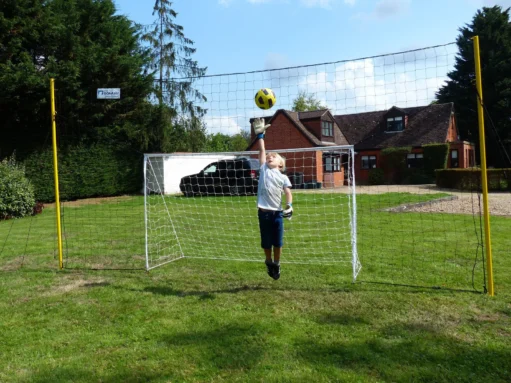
[
  {"x": 188, "y": 191},
  {"x": 235, "y": 190}
]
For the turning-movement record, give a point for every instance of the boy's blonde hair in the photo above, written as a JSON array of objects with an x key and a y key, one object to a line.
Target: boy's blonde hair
[{"x": 282, "y": 160}]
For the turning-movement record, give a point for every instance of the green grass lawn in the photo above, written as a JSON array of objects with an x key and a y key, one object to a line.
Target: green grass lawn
[{"x": 197, "y": 320}]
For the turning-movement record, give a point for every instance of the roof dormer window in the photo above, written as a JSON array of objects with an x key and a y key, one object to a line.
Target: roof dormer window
[
  {"x": 395, "y": 124},
  {"x": 327, "y": 128}
]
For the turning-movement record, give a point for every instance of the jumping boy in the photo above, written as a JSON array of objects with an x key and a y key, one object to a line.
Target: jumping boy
[{"x": 272, "y": 183}]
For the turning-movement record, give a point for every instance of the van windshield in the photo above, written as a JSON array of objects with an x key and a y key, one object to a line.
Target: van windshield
[{"x": 210, "y": 169}]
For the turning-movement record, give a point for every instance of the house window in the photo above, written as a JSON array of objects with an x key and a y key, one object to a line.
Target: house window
[
  {"x": 368, "y": 162},
  {"x": 331, "y": 163},
  {"x": 471, "y": 158},
  {"x": 327, "y": 128},
  {"x": 395, "y": 124},
  {"x": 414, "y": 160},
  {"x": 454, "y": 159}
]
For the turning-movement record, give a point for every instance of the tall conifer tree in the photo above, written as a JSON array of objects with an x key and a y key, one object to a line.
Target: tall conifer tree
[{"x": 493, "y": 27}]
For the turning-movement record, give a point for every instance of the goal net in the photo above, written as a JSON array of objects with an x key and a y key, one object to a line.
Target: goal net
[{"x": 205, "y": 206}]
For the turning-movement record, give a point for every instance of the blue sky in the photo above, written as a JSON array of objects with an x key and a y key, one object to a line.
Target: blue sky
[{"x": 249, "y": 35}]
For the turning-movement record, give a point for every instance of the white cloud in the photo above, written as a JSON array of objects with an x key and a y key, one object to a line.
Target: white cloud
[
  {"x": 385, "y": 9},
  {"x": 327, "y": 4},
  {"x": 364, "y": 85},
  {"x": 223, "y": 124},
  {"x": 275, "y": 61},
  {"x": 225, "y": 3},
  {"x": 490, "y": 3}
]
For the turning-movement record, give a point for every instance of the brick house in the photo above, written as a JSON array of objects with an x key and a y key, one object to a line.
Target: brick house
[
  {"x": 369, "y": 132},
  {"x": 291, "y": 130},
  {"x": 404, "y": 127}
]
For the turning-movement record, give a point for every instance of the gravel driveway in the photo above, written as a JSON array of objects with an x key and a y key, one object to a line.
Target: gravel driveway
[{"x": 461, "y": 203}]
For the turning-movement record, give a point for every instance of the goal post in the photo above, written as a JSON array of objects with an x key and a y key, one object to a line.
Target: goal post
[{"x": 204, "y": 205}]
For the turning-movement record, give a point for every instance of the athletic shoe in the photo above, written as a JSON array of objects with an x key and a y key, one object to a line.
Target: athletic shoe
[
  {"x": 276, "y": 271},
  {"x": 269, "y": 267}
]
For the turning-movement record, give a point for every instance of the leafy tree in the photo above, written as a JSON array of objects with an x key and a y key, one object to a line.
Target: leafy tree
[
  {"x": 493, "y": 27},
  {"x": 25, "y": 29},
  {"x": 219, "y": 142},
  {"x": 195, "y": 137},
  {"x": 84, "y": 46},
  {"x": 240, "y": 141},
  {"x": 306, "y": 102},
  {"x": 171, "y": 56}
]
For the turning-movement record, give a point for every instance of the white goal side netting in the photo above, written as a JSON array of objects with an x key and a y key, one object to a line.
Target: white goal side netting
[{"x": 204, "y": 205}]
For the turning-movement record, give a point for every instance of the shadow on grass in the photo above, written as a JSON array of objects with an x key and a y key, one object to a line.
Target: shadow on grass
[
  {"x": 395, "y": 287},
  {"x": 230, "y": 347},
  {"x": 410, "y": 353},
  {"x": 79, "y": 375},
  {"x": 347, "y": 289},
  {"x": 201, "y": 294},
  {"x": 342, "y": 319}
]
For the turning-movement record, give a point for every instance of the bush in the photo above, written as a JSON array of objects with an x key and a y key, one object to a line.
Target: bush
[
  {"x": 85, "y": 171},
  {"x": 417, "y": 177},
  {"x": 470, "y": 179},
  {"x": 376, "y": 176},
  {"x": 435, "y": 157},
  {"x": 16, "y": 192},
  {"x": 394, "y": 163}
]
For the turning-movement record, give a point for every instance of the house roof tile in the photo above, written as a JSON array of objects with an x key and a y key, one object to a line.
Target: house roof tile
[
  {"x": 426, "y": 124},
  {"x": 312, "y": 114},
  {"x": 297, "y": 117}
]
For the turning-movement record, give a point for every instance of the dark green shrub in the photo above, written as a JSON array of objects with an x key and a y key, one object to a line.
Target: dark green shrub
[
  {"x": 376, "y": 176},
  {"x": 16, "y": 192},
  {"x": 470, "y": 179},
  {"x": 417, "y": 177},
  {"x": 85, "y": 171},
  {"x": 435, "y": 157},
  {"x": 394, "y": 163}
]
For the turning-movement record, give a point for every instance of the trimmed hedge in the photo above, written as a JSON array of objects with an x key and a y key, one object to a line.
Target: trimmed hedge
[
  {"x": 394, "y": 163},
  {"x": 16, "y": 192},
  {"x": 470, "y": 179},
  {"x": 435, "y": 157},
  {"x": 417, "y": 177},
  {"x": 84, "y": 172},
  {"x": 376, "y": 176}
]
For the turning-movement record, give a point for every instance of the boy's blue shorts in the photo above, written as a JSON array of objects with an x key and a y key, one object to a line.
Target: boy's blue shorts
[{"x": 271, "y": 226}]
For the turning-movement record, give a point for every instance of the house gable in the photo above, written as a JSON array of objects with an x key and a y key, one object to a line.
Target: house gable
[
  {"x": 299, "y": 130},
  {"x": 424, "y": 125},
  {"x": 286, "y": 132}
]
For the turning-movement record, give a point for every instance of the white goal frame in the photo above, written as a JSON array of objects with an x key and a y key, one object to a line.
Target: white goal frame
[{"x": 155, "y": 172}]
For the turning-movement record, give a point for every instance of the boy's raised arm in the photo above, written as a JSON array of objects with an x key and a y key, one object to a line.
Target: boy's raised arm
[{"x": 259, "y": 129}]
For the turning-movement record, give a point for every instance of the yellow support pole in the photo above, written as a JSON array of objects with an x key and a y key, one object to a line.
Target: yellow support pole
[
  {"x": 56, "y": 170},
  {"x": 484, "y": 175}
]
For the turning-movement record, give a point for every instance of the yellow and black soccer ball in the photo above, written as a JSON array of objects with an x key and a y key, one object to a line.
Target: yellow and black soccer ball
[{"x": 265, "y": 98}]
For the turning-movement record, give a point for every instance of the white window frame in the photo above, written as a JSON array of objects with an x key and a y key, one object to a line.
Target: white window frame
[
  {"x": 414, "y": 157},
  {"x": 327, "y": 128},
  {"x": 392, "y": 122},
  {"x": 369, "y": 158}
]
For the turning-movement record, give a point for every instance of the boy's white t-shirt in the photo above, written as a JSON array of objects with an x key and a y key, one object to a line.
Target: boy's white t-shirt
[{"x": 271, "y": 185}]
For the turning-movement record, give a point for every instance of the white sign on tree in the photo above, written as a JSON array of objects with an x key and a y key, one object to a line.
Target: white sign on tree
[{"x": 109, "y": 93}]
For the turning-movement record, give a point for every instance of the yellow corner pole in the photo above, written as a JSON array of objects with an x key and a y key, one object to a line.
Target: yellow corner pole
[
  {"x": 56, "y": 170},
  {"x": 484, "y": 176}
]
